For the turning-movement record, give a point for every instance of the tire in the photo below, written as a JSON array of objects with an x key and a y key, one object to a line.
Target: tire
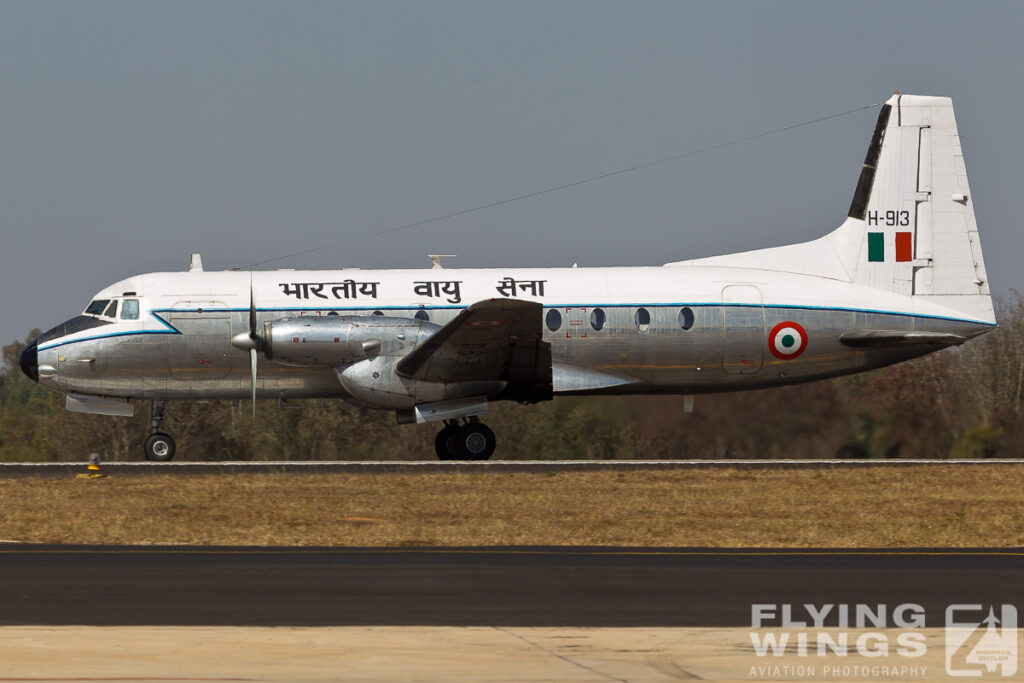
[
  {"x": 159, "y": 448},
  {"x": 475, "y": 441},
  {"x": 444, "y": 443}
]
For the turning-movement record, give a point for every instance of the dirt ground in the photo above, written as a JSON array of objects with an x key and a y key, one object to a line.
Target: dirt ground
[
  {"x": 583, "y": 655},
  {"x": 934, "y": 506}
]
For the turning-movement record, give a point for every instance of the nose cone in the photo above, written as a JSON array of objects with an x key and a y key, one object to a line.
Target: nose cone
[{"x": 29, "y": 361}]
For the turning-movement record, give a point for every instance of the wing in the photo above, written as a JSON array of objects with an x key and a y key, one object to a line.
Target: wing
[{"x": 497, "y": 339}]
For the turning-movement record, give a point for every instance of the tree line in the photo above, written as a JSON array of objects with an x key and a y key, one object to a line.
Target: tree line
[{"x": 963, "y": 402}]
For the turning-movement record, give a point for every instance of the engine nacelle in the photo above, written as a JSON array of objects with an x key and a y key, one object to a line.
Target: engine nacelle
[
  {"x": 332, "y": 341},
  {"x": 374, "y": 382},
  {"x": 364, "y": 351}
]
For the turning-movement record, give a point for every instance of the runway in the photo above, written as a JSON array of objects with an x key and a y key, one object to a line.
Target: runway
[
  {"x": 513, "y": 587},
  {"x": 181, "y": 468}
]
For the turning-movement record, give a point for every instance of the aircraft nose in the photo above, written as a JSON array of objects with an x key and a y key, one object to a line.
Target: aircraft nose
[{"x": 29, "y": 361}]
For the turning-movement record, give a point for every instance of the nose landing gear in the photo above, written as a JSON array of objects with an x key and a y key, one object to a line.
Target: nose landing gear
[
  {"x": 159, "y": 447},
  {"x": 472, "y": 440}
]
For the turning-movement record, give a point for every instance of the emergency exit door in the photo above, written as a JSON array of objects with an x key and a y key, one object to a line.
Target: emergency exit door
[{"x": 742, "y": 329}]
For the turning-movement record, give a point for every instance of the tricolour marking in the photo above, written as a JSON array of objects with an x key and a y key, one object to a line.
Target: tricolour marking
[
  {"x": 876, "y": 247},
  {"x": 904, "y": 247},
  {"x": 787, "y": 340}
]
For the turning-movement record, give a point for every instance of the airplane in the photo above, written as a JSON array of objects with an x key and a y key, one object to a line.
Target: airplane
[{"x": 901, "y": 277}]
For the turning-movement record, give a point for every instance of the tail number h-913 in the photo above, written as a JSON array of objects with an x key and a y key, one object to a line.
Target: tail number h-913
[{"x": 890, "y": 218}]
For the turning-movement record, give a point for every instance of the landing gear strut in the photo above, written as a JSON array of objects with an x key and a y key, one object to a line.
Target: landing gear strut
[
  {"x": 471, "y": 440},
  {"x": 159, "y": 446}
]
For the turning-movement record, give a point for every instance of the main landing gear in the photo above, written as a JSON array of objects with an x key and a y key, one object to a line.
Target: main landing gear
[
  {"x": 159, "y": 446},
  {"x": 471, "y": 440}
]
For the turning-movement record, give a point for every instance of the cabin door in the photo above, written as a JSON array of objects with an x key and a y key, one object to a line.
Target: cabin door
[{"x": 742, "y": 329}]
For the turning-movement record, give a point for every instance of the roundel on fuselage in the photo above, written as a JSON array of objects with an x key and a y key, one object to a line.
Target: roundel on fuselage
[{"x": 787, "y": 340}]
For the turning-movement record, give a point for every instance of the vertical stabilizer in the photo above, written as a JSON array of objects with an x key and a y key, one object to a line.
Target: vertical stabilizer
[{"x": 911, "y": 226}]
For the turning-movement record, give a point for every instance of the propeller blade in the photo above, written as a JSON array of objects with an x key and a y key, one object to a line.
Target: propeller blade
[
  {"x": 253, "y": 332},
  {"x": 256, "y": 344},
  {"x": 252, "y": 369}
]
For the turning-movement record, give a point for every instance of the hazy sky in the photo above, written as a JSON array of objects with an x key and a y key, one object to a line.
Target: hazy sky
[{"x": 132, "y": 134}]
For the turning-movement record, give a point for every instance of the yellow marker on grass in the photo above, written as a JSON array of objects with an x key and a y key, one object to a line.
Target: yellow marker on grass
[{"x": 94, "y": 468}]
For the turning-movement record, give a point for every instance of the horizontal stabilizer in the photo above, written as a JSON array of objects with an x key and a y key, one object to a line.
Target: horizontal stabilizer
[{"x": 872, "y": 339}]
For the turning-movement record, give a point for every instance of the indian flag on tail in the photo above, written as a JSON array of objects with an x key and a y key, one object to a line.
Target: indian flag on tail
[{"x": 904, "y": 246}]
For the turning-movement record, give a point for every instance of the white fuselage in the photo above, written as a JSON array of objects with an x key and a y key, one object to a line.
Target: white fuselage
[{"x": 674, "y": 329}]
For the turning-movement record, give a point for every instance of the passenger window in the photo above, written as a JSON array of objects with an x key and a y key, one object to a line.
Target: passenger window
[
  {"x": 378, "y": 313},
  {"x": 553, "y": 320},
  {"x": 111, "y": 311},
  {"x": 422, "y": 315},
  {"x": 598, "y": 319},
  {"x": 686, "y": 318},
  {"x": 130, "y": 309},
  {"x": 642, "y": 318},
  {"x": 97, "y": 307}
]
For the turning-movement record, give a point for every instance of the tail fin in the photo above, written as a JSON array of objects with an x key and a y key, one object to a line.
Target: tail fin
[{"x": 911, "y": 226}]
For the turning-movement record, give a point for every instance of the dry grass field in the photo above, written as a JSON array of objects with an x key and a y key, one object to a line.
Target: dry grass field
[{"x": 891, "y": 507}]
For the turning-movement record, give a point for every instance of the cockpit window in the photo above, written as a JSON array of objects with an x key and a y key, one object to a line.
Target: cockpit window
[
  {"x": 97, "y": 307},
  {"x": 130, "y": 309},
  {"x": 111, "y": 311}
]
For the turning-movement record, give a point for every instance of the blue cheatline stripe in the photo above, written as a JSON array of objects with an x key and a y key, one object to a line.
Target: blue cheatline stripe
[
  {"x": 590, "y": 305},
  {"x": 170, "y": 329}
]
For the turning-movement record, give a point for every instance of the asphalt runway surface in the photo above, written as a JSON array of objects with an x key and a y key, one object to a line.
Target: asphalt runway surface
[
  {"x": 181, "y": 468},
  {"x": 535, "y": 586}
]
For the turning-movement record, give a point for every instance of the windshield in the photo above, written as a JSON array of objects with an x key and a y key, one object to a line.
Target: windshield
[
  {"x": 97, "y": 307},
  {"x": 130, "y": 309}
]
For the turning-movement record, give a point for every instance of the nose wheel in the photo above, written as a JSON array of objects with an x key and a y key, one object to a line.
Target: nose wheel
[
  {"x": 472, "y": 440},
  {"x": 159, "y": 447}
]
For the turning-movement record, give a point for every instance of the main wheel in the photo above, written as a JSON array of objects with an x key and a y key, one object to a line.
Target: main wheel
[
  {"x": 159, "y": 447},
  {"x": 444, "y": 443},
  {"x": 474, "y": 441}
]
